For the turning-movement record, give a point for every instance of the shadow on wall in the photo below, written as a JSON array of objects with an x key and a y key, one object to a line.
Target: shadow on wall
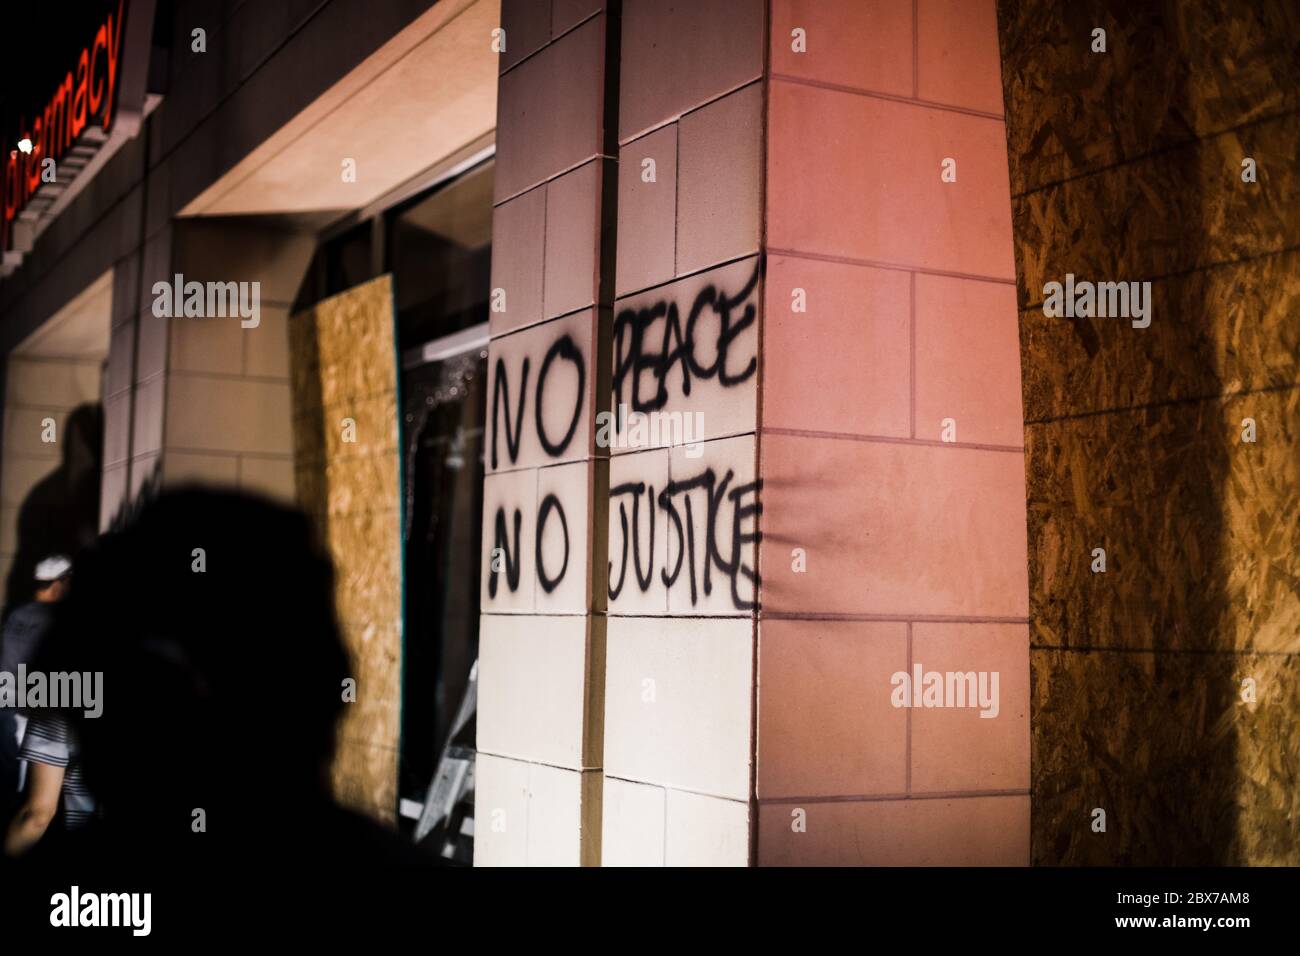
[
  {"x": 1120, "y": 173},
  {"x": 60, "y": 515},
  {"x": 146, "y": 489}
]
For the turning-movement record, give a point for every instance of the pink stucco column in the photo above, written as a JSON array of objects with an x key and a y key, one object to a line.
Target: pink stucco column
[
  {"x": 770, "y": 241},
  {"x": 891, "y": 445}
]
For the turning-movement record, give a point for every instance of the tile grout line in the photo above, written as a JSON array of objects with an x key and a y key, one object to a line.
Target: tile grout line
[
  {"x": 881, "y": 264},
  {"x": 596, "y": 157},
  {"x": 889, "y": 618},
  {"x": 677, "y": 193},
  {"x": 754, "y": 831},
  {"x": 887, "y": 97},
  {"x": 916, "y": 50},
  {"x": 894, "y": 797},
  {"x": 908, "y": 749},
  {"x": 693, "y": 274},
  {"x": 912, "y": 352},
  {"x": 670, "y": 121},
  {"x": 679, "y": 789},
  {"x": 551, "y": 41},
  {"x": 664, "y": 792},
  {"x": 546, "y": 212},
  {"x": 894, "y": 440}
]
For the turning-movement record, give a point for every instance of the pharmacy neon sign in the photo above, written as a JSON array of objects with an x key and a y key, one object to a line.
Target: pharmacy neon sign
[{"x": 86, "y": 98}]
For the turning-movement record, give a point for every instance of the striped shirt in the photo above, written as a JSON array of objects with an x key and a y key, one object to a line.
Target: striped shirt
[{"x": 49, "y": 740}]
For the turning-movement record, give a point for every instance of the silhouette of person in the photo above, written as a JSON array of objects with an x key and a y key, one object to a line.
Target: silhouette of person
[
  {"x": 211, "y": 617},
  {"x": 60, "y": 514}
]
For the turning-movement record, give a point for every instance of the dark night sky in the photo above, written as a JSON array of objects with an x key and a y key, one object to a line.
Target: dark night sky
[{"x": 41, "y": 41}]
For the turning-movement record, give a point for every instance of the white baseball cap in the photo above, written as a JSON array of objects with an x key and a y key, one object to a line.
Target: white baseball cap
[{"x": 53, "y": 568}]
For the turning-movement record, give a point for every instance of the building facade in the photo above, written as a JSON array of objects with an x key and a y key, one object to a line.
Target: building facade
[{"x": 685, "y": 365}]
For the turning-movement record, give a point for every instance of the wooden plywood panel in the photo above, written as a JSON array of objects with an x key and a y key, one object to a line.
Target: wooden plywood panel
[
  {"x": 1165, "y": 214},
  {"x": 1202, "y": 546},
  {"x": 1126, "y": 166},
  {"x": 344, "y": 384},
  {"x": 1227, "y": 329},
  {"x": 1173, "y": 71},
  {"x": 1186, "y": 772}
]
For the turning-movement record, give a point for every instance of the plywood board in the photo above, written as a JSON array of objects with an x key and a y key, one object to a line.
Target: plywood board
[{"x": 346, "y": 466}]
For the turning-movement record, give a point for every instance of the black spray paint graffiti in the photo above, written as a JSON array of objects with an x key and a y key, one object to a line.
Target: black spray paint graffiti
[
  {"x": 550, "y": 503},
  {"x": 635, "y": 353},
  {"x": 505, "y": 558},
  {"x": 699, "y": 511},
  {"x": 563, "y": 348},
  {"x": 675, "y": 501},
  {"x": 639, "y": 349}
]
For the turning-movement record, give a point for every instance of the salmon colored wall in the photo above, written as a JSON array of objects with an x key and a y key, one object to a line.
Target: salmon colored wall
[{"x": 913, "y": 545}]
